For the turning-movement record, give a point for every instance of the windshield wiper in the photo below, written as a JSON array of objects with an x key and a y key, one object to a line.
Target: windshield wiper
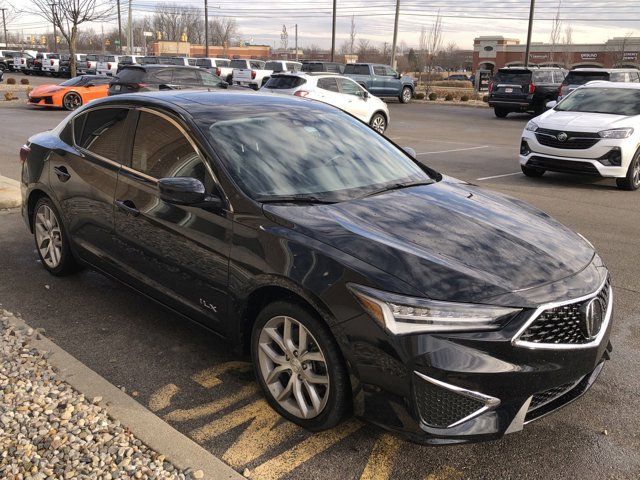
[
  {"x": 311, "y": 199},
  {"x": 396, "y": 186}
]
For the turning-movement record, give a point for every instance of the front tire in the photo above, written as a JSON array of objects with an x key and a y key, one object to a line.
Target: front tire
[
  {"x": 299, "y": 366},
  {"x": 71, "y": 101},
  {"x": 378, "y": 122},
  {"x": 632, "y": 180},
  {"x": 51, "y": 239},
  {"x": 532, "y": 171},
  {"x": 405, "y": 95}
]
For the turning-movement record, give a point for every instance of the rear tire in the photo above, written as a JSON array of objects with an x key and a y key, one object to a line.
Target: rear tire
[
  {"x": 500, "y": 112},
  {"x": 52, "y": 242},
  {"x": 71, "y": 101},
  {"x": 532, "y": 171},
  {"x": 632, "y": 180},
  {"x": 304, "y": 378},
  {"x": 405, "y": 95}
]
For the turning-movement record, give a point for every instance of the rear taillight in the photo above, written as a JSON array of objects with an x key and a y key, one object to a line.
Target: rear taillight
[
  {"x": 561, "y": 88},
  {"x": 52, "y": 63},
  {"x": 139, "y": 85},
  {"x": 218, "y": 71},
  {"x": 88, "y": 64},
  {"x": 253, "y": 74},
  {"x": 532, "y": 88},
  {"x": 491, "y": 85},
  {"x": 301, "y": 93},
  {"x": 24, "y": 152},
  {"x": 108, "y": 66}
]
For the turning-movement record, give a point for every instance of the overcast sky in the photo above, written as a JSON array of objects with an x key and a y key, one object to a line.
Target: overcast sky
[{"x": 463, "y": 20}]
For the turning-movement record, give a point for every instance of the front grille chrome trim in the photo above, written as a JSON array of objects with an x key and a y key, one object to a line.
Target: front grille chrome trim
[
  {"x": 566, "y": 346},
  {"x": 489, "y": 402}
]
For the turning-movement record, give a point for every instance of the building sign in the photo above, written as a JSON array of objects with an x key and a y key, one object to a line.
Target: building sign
[
  {"x": 588, "y": 56},
  {"x": 630, "y": 56},
  {"x": 538, "y": 56}
]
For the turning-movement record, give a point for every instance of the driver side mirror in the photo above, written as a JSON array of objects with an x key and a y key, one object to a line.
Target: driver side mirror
[
  {"x": 398, "y": 76},
  {"x": 551, "y": 104},
  {"x": 411, "y": 152},
  {"x": 186, "y": 191}
]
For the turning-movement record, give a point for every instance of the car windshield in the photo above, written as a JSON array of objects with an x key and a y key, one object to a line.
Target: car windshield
[
  {"x": 72, "y": 82},
  {"x": 297, "y": 153},
  {"x": 580, "y": 78},
  {"x": 516, "y": 77},
  {"x": 614, "y": 101}
]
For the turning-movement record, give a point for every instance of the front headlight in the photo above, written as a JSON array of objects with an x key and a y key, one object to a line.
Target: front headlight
[
  {"x": 403, "y": 315},
  {"x": 616, "y": 133},
  {"x": 531, "y": 126}
]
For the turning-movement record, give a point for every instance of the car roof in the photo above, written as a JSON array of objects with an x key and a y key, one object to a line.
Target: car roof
[
  {"x": 307, "y": 74},
  {"x": 593, "y": 69},
  {"x": 531, "y": 68},
  {"x": 158, "y": 65},
  {"x": 604, "y": 83},
  {"x": 216, "y": 105}
]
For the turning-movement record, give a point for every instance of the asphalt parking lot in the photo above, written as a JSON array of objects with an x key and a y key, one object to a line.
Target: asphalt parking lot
[{"x": 204, "y": 389}]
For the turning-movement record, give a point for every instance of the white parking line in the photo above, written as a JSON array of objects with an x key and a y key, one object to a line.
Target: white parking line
[
  {"x": 454, "y": 150},
  {"x": 499, "y": 176}
]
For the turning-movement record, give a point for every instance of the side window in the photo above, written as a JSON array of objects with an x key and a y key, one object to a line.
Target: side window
[
  {"x": 390, "y": 72},
  {"x": 349, "y": 87},
  {"x": 186, "y": 76},
  {"x": 329, "y": 84},
  {"x": 256, "y": 65},
  {"x": 543, "y": 77},
  {"x": 379, "y": 71},
  {"x": 617, "y": 77},
  {"x": 209, "y": 80},
  {"x": 160, "y": 75},
  {"x": 161, "y": 150},
  {"x": 103, "y": 131},
  {"x": 293, "y": 67},
  {"x": 635, "y": 77}
]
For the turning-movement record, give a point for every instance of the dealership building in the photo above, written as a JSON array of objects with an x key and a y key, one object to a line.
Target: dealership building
[{"x": 493, "y": 52}]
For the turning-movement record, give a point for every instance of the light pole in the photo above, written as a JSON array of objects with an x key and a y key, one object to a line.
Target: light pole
[
  {"x": 130, "y": 32},
  {"x": 296, "y": 41},
  {"x": 333, "y": 33},
  {"x": 395, "y": 35},
  {"x": 526, "y": 53},
  {"x": 206, "y": 29}
]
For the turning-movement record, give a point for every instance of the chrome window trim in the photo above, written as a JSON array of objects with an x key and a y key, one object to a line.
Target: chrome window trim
[
  {"x": 489, "y": 402},
  {"x": 516, "y": 342}
]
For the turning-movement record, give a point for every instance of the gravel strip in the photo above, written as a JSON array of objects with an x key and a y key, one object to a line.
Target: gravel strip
[{"x": 48, "y": 430}]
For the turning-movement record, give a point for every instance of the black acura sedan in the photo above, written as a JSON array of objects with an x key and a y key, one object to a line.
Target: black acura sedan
[{"x": 358, "y": 279}]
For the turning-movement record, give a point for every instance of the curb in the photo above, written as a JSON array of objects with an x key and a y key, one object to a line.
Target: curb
[
  {"x": 10, "y": 196},
  {"x": 155, "y": 433}
]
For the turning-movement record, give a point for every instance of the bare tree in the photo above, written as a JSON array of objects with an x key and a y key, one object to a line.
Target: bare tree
[
  {"x": 352, "y": 35},
  {"x": 68, "y": 15},
  {"x": 434, "y": 42},
  {"x": 223, "y": 30},
  {"x": 556, "y": 33},
  {"x": 567, "y": 41},
  {"x": 620, "y": 49},
  {"x": 421, "y": 57},
  {"x": 171, "y": 20}
]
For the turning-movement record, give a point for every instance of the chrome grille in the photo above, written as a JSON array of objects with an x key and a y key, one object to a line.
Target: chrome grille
[{"x": 574, "y": 140}]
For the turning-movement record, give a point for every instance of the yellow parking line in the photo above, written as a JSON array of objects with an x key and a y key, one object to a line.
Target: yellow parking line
[
  {"x": 380, "y": 463},
  {"x": 182, "y": 415},
  {"x": 289, "y": 460},
  {"x": 261, "y": 435},
  {"x": 162, "y": 398},
  {"x": 209, "y": 378}
]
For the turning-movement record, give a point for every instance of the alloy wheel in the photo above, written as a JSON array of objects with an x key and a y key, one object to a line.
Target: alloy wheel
[
  {"x": 379, "y": 124},
  {"x": 636, "y": 173},
  {"x": 72, "y": 101},
  {"x": 293, "y": 367},
  {"x": 406, "y": 95},
  {"x": 48, "y": 236}
]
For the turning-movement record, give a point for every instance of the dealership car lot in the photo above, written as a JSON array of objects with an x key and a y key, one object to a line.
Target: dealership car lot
[{"x": 199, "y": 386}]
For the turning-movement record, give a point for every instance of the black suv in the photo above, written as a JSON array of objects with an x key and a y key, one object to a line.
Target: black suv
[
  {"x": 145, "y": 78},
  {"x": 318, "y": 66},
  {"x": 519, "y": 89}
]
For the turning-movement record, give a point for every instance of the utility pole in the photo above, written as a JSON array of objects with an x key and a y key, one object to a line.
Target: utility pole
[
  {"x": 130, "y": 39},
  {"x": 119, "y": 30},
  {"x": 53, "y": 19},
  {"x": 395, "y": 35},
  {"x": 296, "y": 42},
  {"x": 526, "y": 53},
  {"x": 206, "y": 29},
  {"x": 333, "y": 33},
  {"x": 4, "y": 26}
]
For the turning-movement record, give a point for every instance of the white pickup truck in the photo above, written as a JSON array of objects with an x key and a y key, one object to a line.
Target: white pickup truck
[
  {"x": 21, "y": 61},
  {"x": 218, "y": 66},
  {"x": 51, "y": 64},
  {"x": 108, "y": 65},
  {"x": 257, "y": 72},
  {"x": 90, "y": 66}
]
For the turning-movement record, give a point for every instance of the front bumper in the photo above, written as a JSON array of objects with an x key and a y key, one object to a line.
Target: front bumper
[
  {"x": 583, "y": 161},
  {"x": 465, "y": 387}
]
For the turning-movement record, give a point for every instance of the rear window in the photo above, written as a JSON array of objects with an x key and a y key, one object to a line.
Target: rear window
[
  {"x": 222, "y": 63},
  {"x": 203, "y": 62},
  {"x": 54, "y": 56},
  {"x": 92, "y": 58},
  {"x": 356, "y": 69},
  {"x": 284, "y": 82},
  {"x": 238, "y": 64},
  {"x": 544, "y": 76},
  {"x": 517, "y": 77},
  {"x": 125, "y": 59},
  {"x": 313, "y": 67},
  {"x": 275, "y": 66},
  {"x": 131, "y": 75},
  {"x": 108, "y": 58},
  {"x": 580, "y": 78}
]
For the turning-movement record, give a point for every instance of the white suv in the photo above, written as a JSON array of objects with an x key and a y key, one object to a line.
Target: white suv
[
  {"x": 594, "y": 130},
  {"x": 336, "y": 90}
]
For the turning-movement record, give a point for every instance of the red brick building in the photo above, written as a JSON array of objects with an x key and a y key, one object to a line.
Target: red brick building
[
  {"x": 192, "y": 50},
  {"x": 492, "y": 52}
]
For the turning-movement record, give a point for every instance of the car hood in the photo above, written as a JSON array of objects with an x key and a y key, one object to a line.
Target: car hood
[
  {"x": 450, "y": 241},
  {"x": 580, "y": 121}
]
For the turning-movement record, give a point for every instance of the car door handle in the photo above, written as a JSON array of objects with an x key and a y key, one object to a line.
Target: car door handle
[
  {"x": 128, "y": 207},
  {"x": 62, "y": 173}
]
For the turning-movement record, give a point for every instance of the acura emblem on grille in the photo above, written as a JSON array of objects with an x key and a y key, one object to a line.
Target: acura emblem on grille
[
  {"x": 593, "y": 317},
  {"x": 562, "y": 137}
]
